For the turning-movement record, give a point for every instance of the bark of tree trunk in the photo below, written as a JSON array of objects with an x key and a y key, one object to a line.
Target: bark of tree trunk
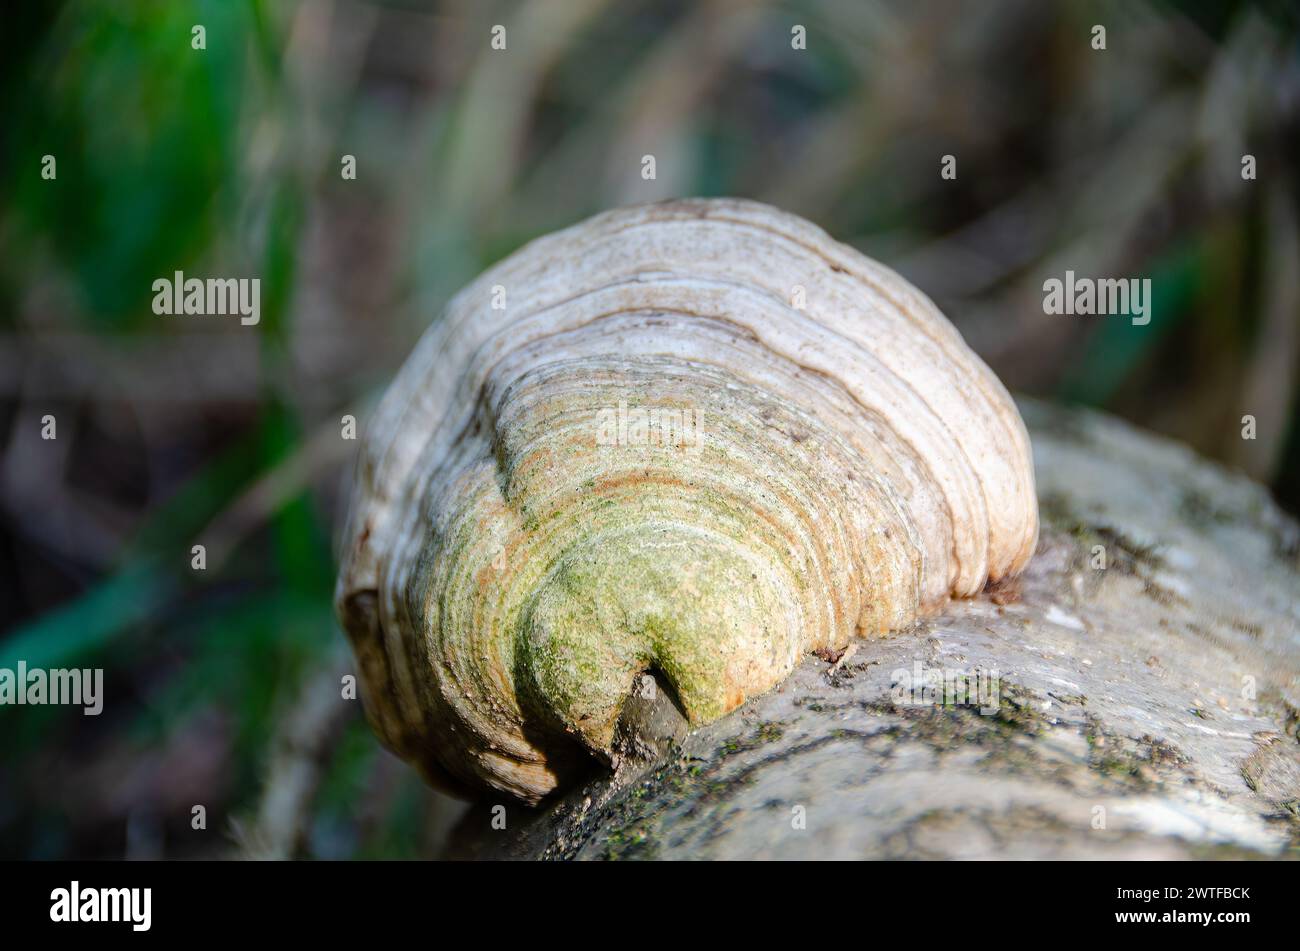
[{"x": 1134, "y": 695}]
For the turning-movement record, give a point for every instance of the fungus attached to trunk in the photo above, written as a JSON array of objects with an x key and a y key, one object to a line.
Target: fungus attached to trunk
[{"x": 698, "y": 439}]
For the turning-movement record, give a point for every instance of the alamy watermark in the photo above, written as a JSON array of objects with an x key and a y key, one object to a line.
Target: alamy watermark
[
  {"x": 941, "y": 686},
  {"x": 59, "y": 686},
  {"x": 1105, "y": 296},
  {"x": 666, "y": 426},
  {"x": 216, "y": 295},
  {"x": 78, "y": 903}
]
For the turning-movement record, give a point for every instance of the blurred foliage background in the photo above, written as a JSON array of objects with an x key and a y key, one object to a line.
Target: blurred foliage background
[{"x": 226, "y": 161}]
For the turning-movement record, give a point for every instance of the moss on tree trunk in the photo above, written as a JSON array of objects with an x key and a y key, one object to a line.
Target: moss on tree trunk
[{"x": 1135, "y": 694}]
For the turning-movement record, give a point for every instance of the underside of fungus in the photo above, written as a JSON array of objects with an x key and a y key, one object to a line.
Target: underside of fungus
[{"x": 698, "y": 438}]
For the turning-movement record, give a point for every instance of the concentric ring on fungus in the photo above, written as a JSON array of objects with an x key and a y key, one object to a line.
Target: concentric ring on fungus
[{"x": 536, "y": 521}]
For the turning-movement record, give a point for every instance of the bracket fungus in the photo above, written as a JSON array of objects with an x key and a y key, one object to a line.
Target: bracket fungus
[{"x": 699, "y": 439}]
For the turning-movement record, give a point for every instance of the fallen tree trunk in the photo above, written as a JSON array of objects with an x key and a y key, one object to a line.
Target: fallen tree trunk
[{"x": 1134, "y": 695}]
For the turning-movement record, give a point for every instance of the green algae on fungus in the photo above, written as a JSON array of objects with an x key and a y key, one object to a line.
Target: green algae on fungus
[{"x": 534, "y": 527}]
